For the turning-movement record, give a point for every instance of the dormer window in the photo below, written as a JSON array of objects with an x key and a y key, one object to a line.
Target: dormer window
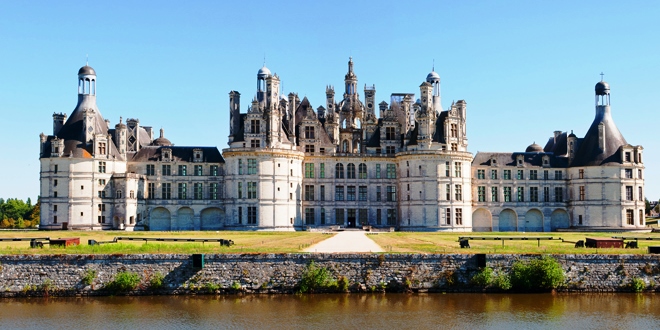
[
  {"x": 167, "y": 154},
  {"x": 520, "y": 160},
  {"x": 627, "y": 156},
  {"x": 198, "y": 156}
]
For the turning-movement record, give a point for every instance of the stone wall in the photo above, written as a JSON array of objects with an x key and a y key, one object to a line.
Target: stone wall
[{"x": 39, "y": 275}]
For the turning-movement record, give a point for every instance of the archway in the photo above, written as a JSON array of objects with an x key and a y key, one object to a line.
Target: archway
[
  {"x": 211, "y": 219},
  {"x": 184, "y": 219},
  {"x": 482, "y": 220},
  {"x": 559, "y": 219},
  {"x": 508, "y": 220},
  {"x": 534, "y": 220},
  {"x": 160, "y": 219}
]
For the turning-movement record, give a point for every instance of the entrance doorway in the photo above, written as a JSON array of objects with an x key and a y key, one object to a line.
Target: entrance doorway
[{"x": 351, "y": 223}]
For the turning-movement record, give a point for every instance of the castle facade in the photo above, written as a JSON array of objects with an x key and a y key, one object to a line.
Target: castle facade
[{"x": 352, "y": 162}]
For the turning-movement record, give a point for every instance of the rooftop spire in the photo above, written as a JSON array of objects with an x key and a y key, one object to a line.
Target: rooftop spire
[{"x": 601, "y": 75}]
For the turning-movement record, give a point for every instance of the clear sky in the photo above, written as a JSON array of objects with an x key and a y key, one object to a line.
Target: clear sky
[{"x": 526, "y": 68}]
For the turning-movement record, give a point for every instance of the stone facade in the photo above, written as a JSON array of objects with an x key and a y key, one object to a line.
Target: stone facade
[
  {"x": 290, "y": 167},
  {"x": 281, "y": 273}
]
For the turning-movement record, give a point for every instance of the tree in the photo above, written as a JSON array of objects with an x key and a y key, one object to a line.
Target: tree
[{"x": 648, "y": 205}]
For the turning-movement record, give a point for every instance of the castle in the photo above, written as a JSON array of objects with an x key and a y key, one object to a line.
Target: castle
[{"x": 289, "y": 166}]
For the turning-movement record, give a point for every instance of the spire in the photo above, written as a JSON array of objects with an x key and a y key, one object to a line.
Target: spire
[{"x": 162, "y": 132}]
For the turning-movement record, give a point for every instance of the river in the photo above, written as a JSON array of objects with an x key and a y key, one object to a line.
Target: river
[{"x": 337, "y": 311}]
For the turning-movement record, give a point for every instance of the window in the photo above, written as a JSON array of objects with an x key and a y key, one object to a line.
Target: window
[
  {"x": 240, "y": 166},
  {"x": 521, "y": 194},
  {"x": 339, "y": 171},
  {"x": 55, "y": 168},
  {"x": 629, "y": 193},
  {"x": 254, "y": 126},
  {"x": 559, "y": 194},
  {"x": 322, "y": 193},
  {"x": 255, "y": 143},
  {"x": 507, "y": 175},
  {"x": 166, "y": 169},
  {"x": 322, "y": 170},
  {"x": 55, "y": 183},
  {"x": 534, "y": 194},
  {"x": 493, "y": 174},
  {"x": 119, "y": 194},
  {"x": 390, "y": 133},
  {"x": 214, "y": 170},
  {"x": 151, "y": 169},
  {"x": 581, "y": 174},
  {"x": 481, "y": 174},
  {"x": 377, "y": 171},
  {"x": 558, "y": 175},
  {"x": 627, "y": 156},
  {"x": 390, "y": 150},
  {"x": 493, "y": 194},
  {"x": 350, "y": 171},
  {"x": 213, "y": 191},
  {"x": 362, "y": 193},
  {"x": 252, "y": 166},
  {"x": 339, "y": 216},
  {"x": 448, "y": 191},
  {"x": 378, "y": 198},
  {"x": 546, "y": 175},
  {"x": 323, "y": 216},
  {"x": 240, "y": 190},
  {"x": 379, "y": 214},
  {"x": 339, "y": 193},
  {"x": 101, "y": 207},
  {"x": 55, "y": 219},
  {"x": 309, "y": 132},
  {"x": 309, "y": 148},
  {"x": 581, "y": 193},
  {"x": 640, "y": 195},
  {"x": 183, "y": 190},
  {"x": 630, "y": 217},
  {"x": 448, "y": 216},
  {"x": 101, "y": 194},
  {"x": 197, "y": 191},
  {"x": 183, "y": 170},
  {"x": 533, "y": 175},
  {"x": 101, "y": 219},
  {"x": 350, "y": 193},
  {"x": 131, "y": 194},
  {"x": 391, "y": 217},
  {"x": 454, "y": 130},
  {"x": 198, "y": 170},
  {"x": 521, "y": 175},
  {"x": 628, "y": 173},
  {"x": 546, "y": 194},
  {"x": 447, "y": 169},
  {"x": 507, "y": 194},
  {"x": 252, "y": 215},
  {"x": 151, "y": 190},
  {"x": 639, "y": 174},
  {"x": 309, "y": 216},
  {"x": 309, "y": 192},
  {"x": 481, "y": 193},
  {"x": 459, "y": 216},
  {"x": 102, "y": 148},
  {"x": 391, "y": 171},
  {"x": 458, "y": 193},
  {"x": 166, "y": 191},
  {"x": 457, "y": 170},
  {"x": 309, "y": 170},
  {"x": 391, "y": 193},
  {"x": 580, "y": 219},
  {"x": 641, "y": 217},
  {"x": 454, "y": 147},
  {"x": 101, "y": 167},
  {"x": 362, "y": 171},
  {"x": 240, "y": 214}
]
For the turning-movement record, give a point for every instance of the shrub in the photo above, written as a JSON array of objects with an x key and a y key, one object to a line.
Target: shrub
[
  {"x": 342, "y": 284},
  {"x": 542, "y": 274},
  {"x": 484, "y": 277},
  {"x": 124, "y": 281},
  {"x": 156, "y": 281},
  {"x": 46, "y": 287},
  {"x": 502, "y": 282},
  {"x": 636, "y": 284},
  {"x": 212, "y": 287},
  {"x": 236, "y": 286},
  {"x": 316, "y": 279},
  {"x": 90, "y": 275}
]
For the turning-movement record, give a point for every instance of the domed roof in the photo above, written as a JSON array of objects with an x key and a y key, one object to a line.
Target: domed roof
[
  {"x": 87, "y": 70},
  {"x": 534, "y": 148},
  {"x": 263, "y": 71},
  {"x": 602, "y": 88},
  {"x": 161, "y": 141},
  {"x": 433, "y": 77}
]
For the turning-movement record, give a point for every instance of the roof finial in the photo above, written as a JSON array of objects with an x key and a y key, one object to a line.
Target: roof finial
[
  {"x": 601, "y": 75},
  {"x": 87, "y": 59},
  {"x": 264, "y": 58},
  {"x": 433, "y": 69}
]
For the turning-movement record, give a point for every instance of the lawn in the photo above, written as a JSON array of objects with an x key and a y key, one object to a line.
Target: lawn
[
  {"x": 244, "y": 242},
  {"x": 408, "y": 242}
]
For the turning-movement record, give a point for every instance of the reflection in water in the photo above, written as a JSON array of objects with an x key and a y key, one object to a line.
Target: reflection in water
[{"x": 442, "y": 311}]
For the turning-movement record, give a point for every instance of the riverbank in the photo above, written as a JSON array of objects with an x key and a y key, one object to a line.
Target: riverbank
[{"x": 175, "y": 274}]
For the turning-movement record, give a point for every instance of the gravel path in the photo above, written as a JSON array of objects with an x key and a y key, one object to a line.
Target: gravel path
[{"x": 346, "y": 241}]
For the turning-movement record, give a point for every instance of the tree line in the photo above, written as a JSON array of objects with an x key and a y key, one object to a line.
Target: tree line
[{"x": 18, "y": 214}]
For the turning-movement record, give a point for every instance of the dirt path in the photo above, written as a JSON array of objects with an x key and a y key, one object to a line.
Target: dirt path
[{"x": 346, "y": 241}]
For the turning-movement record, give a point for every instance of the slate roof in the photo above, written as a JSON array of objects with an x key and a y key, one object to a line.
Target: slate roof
[
  {"x": 510, "y": 159},
  {"x": 589, "y": 152},
  {"x": 185, "y": 154}
]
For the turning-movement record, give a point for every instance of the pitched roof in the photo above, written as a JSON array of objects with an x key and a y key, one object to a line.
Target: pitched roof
[
  {"x": 589, "y": 152},
  {"x": 153, "y": 153}
]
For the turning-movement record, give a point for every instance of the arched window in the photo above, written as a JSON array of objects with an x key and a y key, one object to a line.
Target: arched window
[
  {"x": 350, "y": 169},
  {"x": 362, "y": 171},
  {"x": 344, "y": 146},
  {"x": 339, "y": 171}
]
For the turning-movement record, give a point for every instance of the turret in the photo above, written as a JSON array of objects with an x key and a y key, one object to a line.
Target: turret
[
  {"x": 121, "y": 138},
  {"x": 234, "y": 114},
  {"x": 58, "y": 122}
]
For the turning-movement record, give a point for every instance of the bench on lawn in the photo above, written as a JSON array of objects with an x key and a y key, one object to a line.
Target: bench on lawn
[{"x": 505, "y": 238}]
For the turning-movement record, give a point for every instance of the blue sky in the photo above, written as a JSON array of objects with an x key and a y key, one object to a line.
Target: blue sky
[{"x": 525, "y": 68}]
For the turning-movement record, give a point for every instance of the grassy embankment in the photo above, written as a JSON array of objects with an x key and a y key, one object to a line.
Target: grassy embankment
[{"x": 292, "y": 242}]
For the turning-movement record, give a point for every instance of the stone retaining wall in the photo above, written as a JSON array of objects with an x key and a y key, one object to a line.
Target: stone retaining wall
[{"x": 39, "y": 275}]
